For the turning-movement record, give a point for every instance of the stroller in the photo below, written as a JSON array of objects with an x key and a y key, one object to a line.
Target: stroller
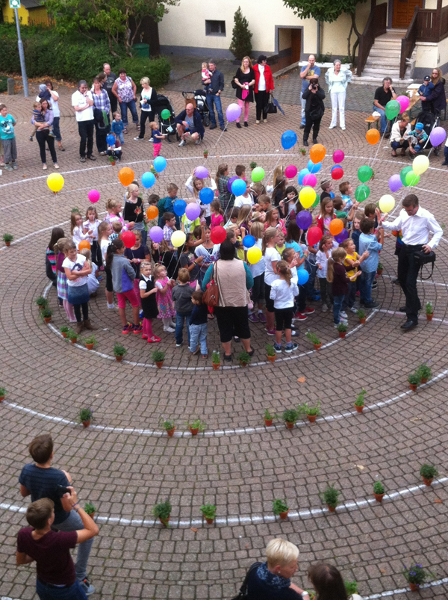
[
  {"x": 200, "y": 103},
  {"x": 429, "y": 120},
  {"x": 166, "y": 126}
]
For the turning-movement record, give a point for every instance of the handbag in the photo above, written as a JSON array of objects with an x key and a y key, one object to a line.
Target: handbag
[
  {"x": 270, "y": 107},
  {"x": 211, "y": 294},
  {"x": 425, "y": 258},
  {"x": 243, "y": 595}
]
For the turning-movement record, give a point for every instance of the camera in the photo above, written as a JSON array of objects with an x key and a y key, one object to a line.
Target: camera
[{"x": 314, "y": 86}]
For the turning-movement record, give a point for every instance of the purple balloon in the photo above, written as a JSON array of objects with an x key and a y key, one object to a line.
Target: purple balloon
[
  {"x": 201, "y": 172},
  {"x": 233, "y": 112},
  {"x": 341, "y": 236},
  {"x": 304, "y": 219},
  {"x": 437, "y": 136},
  {"x": 192, "y": 211},
  {"x": 156, "y": 234},
  {"x": 229, "y": 183},
  {"x": 395, "y": 183}
]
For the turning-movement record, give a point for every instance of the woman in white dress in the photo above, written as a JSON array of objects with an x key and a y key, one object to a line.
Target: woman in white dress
[{"x": 337, "y": 80}]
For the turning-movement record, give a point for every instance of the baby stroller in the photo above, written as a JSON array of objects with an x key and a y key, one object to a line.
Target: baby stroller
[
  {"x": 429, "y": 121},
  {"x": 200, "y": 103},
  {"x": 166, "y": 126}
]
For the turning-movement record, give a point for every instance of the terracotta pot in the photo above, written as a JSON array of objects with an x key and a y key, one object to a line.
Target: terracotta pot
[
  {"x": 194, "y": 431},
  {"x": 311, "y": 418},
  {"x": 216, "y": 366},
  {"x": 378, "y": 497},
  {"x": 205, "y": 154},
  {"x": 331, "y": 508},
  {"x": 362, "y": 321},
  {"x": 429, "y": 317},
  {"x": 284, "y": 515},
  {"x": 41, "y": 308},
  {"x": 159, "y": 364},
  {"x": 303, "y": 152},
  {"x": 243, "y": 364},
  {"x": 271, "y": 358},
  {"x": 112, "y": 163},
  {"x": 118, "y": 358},
  {"x": 64, "y": 334},
  {"x": 73, "y": 340},
  {"x": 90, "y": 346},
  {"x": 47, "y": 319},
  {"x": 268, "y": 422},
  {"x": 427, "y": 481},
  {"x": 413, "y": 387},
  {"x": 164, "y": 521},
  {"x": 86, "y": 423},
  {"x": 170, "y": 432},
  {"x": 379, "y": 271},
  {"x": 342, "y": 334},
  {"x": 209, "y": 521},
  {"x": 413, "y": 587},
  {"x": 359, "y": 408},
  {"x": 91, "y": 515},
  {"x": 317, "y": 346},
  {"x": 424, "y": 380},
  {"x": 7, "y": 243},
  {"x": 2, "y": 398},
  {"x": 289, "y": 425}
]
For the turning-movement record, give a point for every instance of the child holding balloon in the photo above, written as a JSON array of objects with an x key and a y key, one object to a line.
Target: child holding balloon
[
  {"x": 157, "y": 138},
  {"x": 326, "y": 245},
  {"x": 337, "y": 276},
  {"x": 257, "y": 270},
  {"x": 136, "y": 254},
  {"x": 271, "y": 257},
  {"x": 283, "y": 292},
  {"x": 113, "y": 208},
  {"x": 164, "y": 299},
  {"x": 78, "y": 231},
  {"x": 326, "y": 215},
  {"x": 147, "y": 291},
  {"x": 216, "y": 214},
  {"x": 92, "y": 223},
  {"x": 104, "y": 231}
]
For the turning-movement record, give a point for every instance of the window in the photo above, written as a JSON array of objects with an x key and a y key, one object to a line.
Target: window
[{"x": 215, "y": 28}]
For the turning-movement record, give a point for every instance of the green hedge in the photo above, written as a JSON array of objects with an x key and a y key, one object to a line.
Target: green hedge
[{"x": 48, "y": 53}]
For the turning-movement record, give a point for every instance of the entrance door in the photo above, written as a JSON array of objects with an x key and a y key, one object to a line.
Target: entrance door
[
  {"x": 403, "y": 11},
  {"x": 289, "y": 47}
]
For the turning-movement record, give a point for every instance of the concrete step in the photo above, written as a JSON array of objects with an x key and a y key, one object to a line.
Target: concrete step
[
  {"x": 368, "y": 80},
  {"x": 380, "y": 54},
  {"x": 380, "y": 71},
  {"x": 373, "y": 62},
  {"x": 386, "y": 44}
]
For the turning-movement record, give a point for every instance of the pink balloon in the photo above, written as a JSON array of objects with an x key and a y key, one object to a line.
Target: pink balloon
[
  {"x": 94, "y": 196},
  {"x": 310, "y": 179},
  {"x": 233, "y": 112},
  {"x": 338, "y": 156},
  {"x": 403, "y": 102},
  {"x": 290, "y": 171},
  {"x": 192, "y": 211},
  {"x": 201, "y": 172}
]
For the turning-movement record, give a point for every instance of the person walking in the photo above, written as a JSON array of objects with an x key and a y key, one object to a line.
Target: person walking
[
  {"x": 244, "y": 81},
  {"x": 308, "y": 72},
  {"x": 314, "y": 109},
  {"x": 416, "y": 224},
  {"x": 82, "y": 102},
  {"x": 337, "y": 80},
  {"x": 214, "y": 95},
  {"x": 264, "y": 85}
]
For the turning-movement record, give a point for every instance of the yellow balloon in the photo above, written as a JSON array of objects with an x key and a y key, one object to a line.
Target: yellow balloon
[
  {"x": 387, "y": 203},
  {"x": 307, "y": 196},
  {"x": 254, "y": 255},
  {"x": 55, "y": 182},
  {"x": 178, "y": 238},
  {"x": 420, "y": 164}
]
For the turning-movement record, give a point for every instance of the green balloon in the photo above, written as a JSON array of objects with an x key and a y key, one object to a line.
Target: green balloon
[
  {"x": 257, "y": 174},
  {"x": 392, "y": 109},
  {"x": 362, "y": 192},
  {"x": 364, "y": 173},
  {"x": 403, "y": 174},
  {"x": 412, "y": 179},
  {"x": 316, "y": 202},
  {"x": 165, "y": 114}
]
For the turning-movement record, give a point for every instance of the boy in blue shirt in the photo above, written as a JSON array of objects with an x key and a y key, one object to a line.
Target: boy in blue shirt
[
  {"x": 425, "y": 90},
  {"x": 367, "y": 241},
  {"x": 117, "y": 127},
  {"x": 8, "y": 138},
  {"x": 420, "y": 137}
]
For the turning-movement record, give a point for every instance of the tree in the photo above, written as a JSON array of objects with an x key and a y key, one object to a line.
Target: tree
[
  {"x": 241, "y": 45},
  {"x": 328, "y": 11}
]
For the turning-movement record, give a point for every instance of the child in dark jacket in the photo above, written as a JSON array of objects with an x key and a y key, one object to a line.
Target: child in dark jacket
[
  {"x": 198, "y": 325},
  {"x": 181, "y": 296}
]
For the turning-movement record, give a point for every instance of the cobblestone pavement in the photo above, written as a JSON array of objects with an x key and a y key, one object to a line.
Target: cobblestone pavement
[{"x": 123, "y": 465}]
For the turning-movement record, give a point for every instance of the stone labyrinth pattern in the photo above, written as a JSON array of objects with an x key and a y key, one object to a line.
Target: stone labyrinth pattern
[{"x": 124, "y": 466}]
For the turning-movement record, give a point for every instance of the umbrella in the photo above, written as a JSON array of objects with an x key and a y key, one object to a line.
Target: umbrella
[{"x": 278, "y": 106}]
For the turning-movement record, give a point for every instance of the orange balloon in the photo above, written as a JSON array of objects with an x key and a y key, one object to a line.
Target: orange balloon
[
  {"x": 152, "y": 212},
  {"x": 373, "y": 136},
  {"x": 126, "y": 176},
  {"x": 84, "y": 244},
  {"x": 317, "y": 153},
  {"x": 336, "y": 226}
]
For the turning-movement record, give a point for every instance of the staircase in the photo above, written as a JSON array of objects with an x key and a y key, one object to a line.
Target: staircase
[{"x": 384, "y": 60}]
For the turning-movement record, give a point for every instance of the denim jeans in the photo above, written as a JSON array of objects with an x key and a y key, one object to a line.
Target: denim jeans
[
  {"x": 198, "y": 335},
  {"x": 124, "y": 112},
  {"x": 366, "y": 286},
  {"x": 383, "y": 119},
  {"x": 74, "y": 523},
  {"x": 74, "y": 592},
  {"x": 350, "y": 297},
  {"x": 56, "y": 130},
  {"x": 303, "y": 103},
  {"x": 180, "y": 318},
  {"x": 85, "y": 129},
  {"x": 337, "y": 307},
  {"x": 216, "y": 100}
]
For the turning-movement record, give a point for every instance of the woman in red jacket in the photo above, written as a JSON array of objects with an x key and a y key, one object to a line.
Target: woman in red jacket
[{"x": 264, "y": 84}]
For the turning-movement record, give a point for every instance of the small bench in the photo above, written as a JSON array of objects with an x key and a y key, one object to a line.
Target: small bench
[{"x": 370, "y": 120}]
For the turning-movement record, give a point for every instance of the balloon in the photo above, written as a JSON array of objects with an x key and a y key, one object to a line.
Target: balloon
[
  {"x": 192, "y": 211},
  {"x": 239, "y": 187},
  {"x": 84, "y": 244},
  {"x": 337, "y": 173},
  {"x": 201, "y": 172},
  {"x": 373, "y": 136},
  {"x": 152, "y": 212},
  {"x": 362, "y": 192},
  {"x": 179, "y": 207},
  {"x": 314, "y": 235},
  {"x": 55, "y": 182},
  {"x": 159, "y": 164},
  {"x": 110, "y": 139},
  {"x": 412, "y": 179},
  {"x": 148, "y": 179},
  {"x": 386, "y": 203},
  {"x": 341, "y": 236},
  {"x": 313, "y": 167},
  {"x": 218, "y": 235},
  {"x": 206, "y": 195},
  {"x": 392, "y": 109},
  {"x": 395, "y": 183},
  {"x": 437, "y": 136},
  {"x": 229, "y": 183},
  {"x": 304, "y": 219},
  {"x": 253, "y": 254},
  {"x": 126, "y": 176},
  {"x": 364, "y": 173},
  {"x": 302, "y": 174},
  {"x": 310, "y": 179},
  {"x": 289, "y": 139},
  {"x": 248, "y": 241},
  {"x": 336, "y": 226},
  {"x": 303, "y": 276},
  {"x": 178, "y": 239},
  {"x": 316, "y": 202},
  {"x": 290, "y": 171},
  {"x": 156, "y": 234},
  {"x": 233, "y": 112},
  {"x": 258, "y": 174},
  {"x": 317, "y": 153},
  {"x": 165, "y": 114},
  {"x": 93, "y": 196},
  {"x": 307, "y": 196},
  {"x": 403, "y": 101},
  {"x": 420, "y": 164},
  {"x": 128, "y": 238},
  {"x": 403, "y": 174},
  {"x": 338, "y": 156}
]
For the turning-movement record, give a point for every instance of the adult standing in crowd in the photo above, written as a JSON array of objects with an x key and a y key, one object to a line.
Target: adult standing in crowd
[
  {"x": 82, "y": 102},
  {"x": 314, "y": 109},
  {"x": 245, "y": 81},
  {"x": 383, "y": 95},
  {"x": 54, "y": 102},
  {"x": 189, "y": 125},
  {"x": 214, "y": 95},
  {"x": 125, "y": 90},
  {"x": 101, "y": 115},
  {"x": 108, "y": 85},
  {"x": 437, "y": 97},
  {"x": 337, "y": 80},
  {"x": 264, "y": 85},
  {"x": 43, "y": 135},
  {"x": 416, "y": 224},
  {"x": 308, "y": 72},
  {"x": 148, "y": 100}
]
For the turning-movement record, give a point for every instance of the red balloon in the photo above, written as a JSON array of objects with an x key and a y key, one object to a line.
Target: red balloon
[
  {"x": 218, "y": 235},
  {"x": 337, "y": 173},
  {"x": 128, "y": 239},
  {"x": 314, "y": 235}
]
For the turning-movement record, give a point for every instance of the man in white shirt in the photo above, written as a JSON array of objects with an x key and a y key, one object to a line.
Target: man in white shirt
[
  {"x": 82, "y": 102},
  {"x": 416, "y": 225}
]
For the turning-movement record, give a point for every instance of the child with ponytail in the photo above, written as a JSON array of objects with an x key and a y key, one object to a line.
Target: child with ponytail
[
  {"x": 283, "y": 292},
  {"x": 337, "y": 275}
]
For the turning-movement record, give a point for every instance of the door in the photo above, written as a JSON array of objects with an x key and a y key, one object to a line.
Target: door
[
  {"x": 296, "y": 44},
  {"x": 403, "y": 11}
]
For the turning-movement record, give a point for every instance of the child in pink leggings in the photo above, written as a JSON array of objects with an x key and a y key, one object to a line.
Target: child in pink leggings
[{"x": 157, "y": 138}]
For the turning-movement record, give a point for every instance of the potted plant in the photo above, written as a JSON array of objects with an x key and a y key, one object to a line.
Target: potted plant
[
  {"x": 302, "y": 151},
  {"x": 351, "y": 587},
  {"x": 72, "y": 336},
  {"x": 314, "y": 340},
  {"x": 253, "y": 165},
  {"x": 312, "y": 412},
  {"x": 46, "y": 315},
  {"x": 268, "y": 418},
  {"x": 311, "y": 594},
  {"x": 158, "y": 356},
  {"x": 7, "y": 238},
  {"x": 168, "y": 426},
  {"x": 90, "y": 342},
  {"x": 244, "y": 358},
  {"x": 428, "y": 472},
  {"x": 280, "y": 508},
  {"x": 342, "y": 330},
  {"x": 378, "y": 491},
  {"x": 359, "y": 402},
  {"x": 64, "y": 330},
  {"x": 380, "y": 267},
  {"x": 162, "y": 511},
  {"x": 290, "y": 417},
  {"x": 429, "y": 311},
  {"x": 90, "y": 509},
  {"x": 270, "y": 350},
  {"x": 2, "y": 393},
  {"x": 216, "y": 360},
  {"x": 119, "y": 352},
  {"x": 425, "y": 373},
  {"x": 414, "y": 380},
  {"x": 196, "y": 426},
  {"x": 205, "y": 153},
  {"x": 209, "y": 512},
  {"x": 85, "y": 416},
  {"x": 361, "y": 316},
  {"x": 42, "y": 303},
  {"x": 330, "y": 497},
  {"x": 415, "y": 575},
  {"x": 112, "y": 159}
]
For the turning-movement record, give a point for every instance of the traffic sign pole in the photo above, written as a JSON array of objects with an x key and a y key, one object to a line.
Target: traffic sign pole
[{"x": 22, "y": 56}]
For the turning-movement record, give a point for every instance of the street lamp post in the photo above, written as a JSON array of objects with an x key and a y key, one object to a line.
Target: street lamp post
[{"x": 16, "y": 4}]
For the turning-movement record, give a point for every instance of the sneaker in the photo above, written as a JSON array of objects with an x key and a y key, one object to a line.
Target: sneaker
[
  {"x": 308, "y": 310},
  {"x": 87, "y": 587},
  {"x": 138, "y": 138},
  {"x": 343, "y": 314},
  {"x": 291, "y": 347},
  {"x": 111, "y": 306},
  {"x": 179, "y": 345},
  {"x": 223, "y": 128},
  {"x": 169, "y": 329},
  {"x": 253, "y": 318},
  {"x": 197, "y": 142},
  {"x": 31, "y": 138},
  {"x": 91, "y": 157},
  {"x": 324, "y": 307},
  {"x": 182, "y": 143},
  {"x": 354, "y": 309},
  {"x": 294, "y": 333},
  {"x": 374, "y": 285},
  {"x": 261, "y": 317},
  {"x": 151, "y": 139},
  {"x": 140, "y": 314},
  {"x": 51, "y": 134},
  {"x": 270, "y": 331},
  {"x": 154, "y": 339},
  {"x": 9, "y": 168},
  {"x": 301, "y": 316},
  {"x": 213, "y": 127},
  {"x": 137, "y": 329},
  {"x": 127, "y": 328},
  {"x": 278, "y": 348},
  {"x": 82, "y": 159},
  {"x": 371, "y": 304},
  {"x": 14, "y": 166}
]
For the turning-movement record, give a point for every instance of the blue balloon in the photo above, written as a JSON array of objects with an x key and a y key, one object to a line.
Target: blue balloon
[
  {"x": 303, "y": 276},
  {"x": 335, "y": 167},
  {"x": 314, "y": 168},
  {"x": 302, "y": 174},
  {"x": 206, "y": 195},
  {"x": 148, "y": 179},
  {"x": 289, "y": 139},
  {"x": 159, "y": 164},
  {"x": 239, "y": 187},
  {"x": 110, "y": 139},
  {"x": 332, "y": 195},
  {"x": 248, "y": 241},
  {"x": 179, "y": 207}
]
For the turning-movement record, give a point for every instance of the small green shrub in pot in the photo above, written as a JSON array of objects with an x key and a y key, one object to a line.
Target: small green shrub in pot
[
  {"x": 428, "y": 472},
  {"x": 280, "y": 507},
  {"x": 162, "y": 511},
  {"x": 378, "y": 487},
  {"x": 89, "y": 508},
  {"x": 330, "y": 497},
  {"x": 209, "y": 512},
  {"x": 351, "y": 587}
]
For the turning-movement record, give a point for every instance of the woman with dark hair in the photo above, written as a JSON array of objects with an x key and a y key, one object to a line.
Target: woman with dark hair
[
  {"x": 328, "y": 583},
  {"x": 264, "y": 85},
  {"x": 101, "y": 115},
  {"x": 50, "y": 256},
  {"x": 234, "y": 279},
  {"x": 43, "y": 135}
]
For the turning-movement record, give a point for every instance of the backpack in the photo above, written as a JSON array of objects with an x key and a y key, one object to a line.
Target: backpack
[{"x": 243, "y": 593}]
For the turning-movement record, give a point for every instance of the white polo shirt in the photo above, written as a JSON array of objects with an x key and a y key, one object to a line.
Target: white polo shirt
[{"x": 79, "y": 99}]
